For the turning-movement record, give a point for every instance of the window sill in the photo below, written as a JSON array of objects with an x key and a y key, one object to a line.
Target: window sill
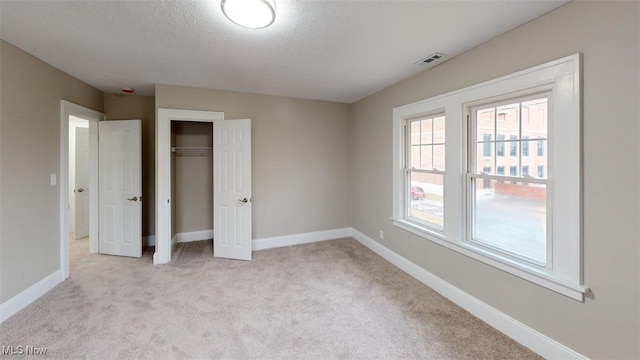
[{"x": 504, "y": 263}]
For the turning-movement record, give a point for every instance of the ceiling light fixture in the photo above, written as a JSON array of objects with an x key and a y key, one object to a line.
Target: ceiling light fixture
[{"x": 252, "y": 14}]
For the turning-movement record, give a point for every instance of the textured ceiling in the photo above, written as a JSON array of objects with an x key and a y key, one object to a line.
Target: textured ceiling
[{"x": 329, "y": 50}]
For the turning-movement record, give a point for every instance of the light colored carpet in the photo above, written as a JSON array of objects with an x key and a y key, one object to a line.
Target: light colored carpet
[{"x": 329, "y": 300}]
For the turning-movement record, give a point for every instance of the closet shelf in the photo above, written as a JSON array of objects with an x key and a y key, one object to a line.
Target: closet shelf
[{"x": 191, "y": 148}]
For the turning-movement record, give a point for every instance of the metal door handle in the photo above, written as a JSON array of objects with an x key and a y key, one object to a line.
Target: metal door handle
[
  {"x": 80, "y": 190},
  {"x": 244, "y": 201},
  {"x": 135, "y": 198}
]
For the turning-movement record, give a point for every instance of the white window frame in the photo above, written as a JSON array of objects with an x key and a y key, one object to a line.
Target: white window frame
[{"x": 561, "y": 78}]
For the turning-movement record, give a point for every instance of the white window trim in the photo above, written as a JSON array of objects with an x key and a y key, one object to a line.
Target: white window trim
[{"x": 562, "y": 78}]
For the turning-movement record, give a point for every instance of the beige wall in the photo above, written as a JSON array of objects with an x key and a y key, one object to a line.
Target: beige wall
[
  {"x": 300, "y": 156},
  {"x": 606, "y": 325},
  {"x": 193, "y": 177},
  {"x": 129, "y": 107},
  {"x": 29, "y": 152}
]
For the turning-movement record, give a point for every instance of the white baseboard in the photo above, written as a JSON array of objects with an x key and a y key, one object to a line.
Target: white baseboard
[
  {"x": 174, "y": 242},
  {"x": 534, "y": 340},
  {"x": 194, "y": 236},
  {"x": 297, "y": 239},
  {"x": 29, "y": 295}
]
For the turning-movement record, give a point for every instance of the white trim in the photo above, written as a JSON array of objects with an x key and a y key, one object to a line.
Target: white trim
[
  {"x": 29, "y": 295},
  {"x": 298, "y": 239},
  {"x": 68, "y": 108},
  {"x": 194, "y": 236},
  {"x": 164, "y": 242},
  {"x": 532, "y": 339}
]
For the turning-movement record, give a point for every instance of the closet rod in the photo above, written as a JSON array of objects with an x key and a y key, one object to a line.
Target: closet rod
[{"x": 191, "y": 148}]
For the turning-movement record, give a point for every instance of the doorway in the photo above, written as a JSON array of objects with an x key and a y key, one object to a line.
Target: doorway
[
  {"x": 232, "y": 200},
  {"x": 71, "y": 114},
  {"x": 79, "y": 186}
]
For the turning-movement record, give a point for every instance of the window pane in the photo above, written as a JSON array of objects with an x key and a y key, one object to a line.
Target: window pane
[
  {"x": 485, "y": 123},
  {"x": 438, "y": 130},
  {"x": 482, "y": 161},
  {"x": 426, "y": 157},
  {"x": 511, "y": 217},
  {"x": 427, "y": 132},
  {"x": 415, "y": 157},
  {"x": 486, "y": 147},
  {"x": 426, "y": 197},
  {"x": 534, "y": 118},
  {"x": 508, "y": 119},
  {"x": 438, "y": 157},
  {"x": 415, "y": 133}
]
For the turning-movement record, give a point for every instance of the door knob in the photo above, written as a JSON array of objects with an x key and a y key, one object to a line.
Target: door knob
[
  {"x": 244, "y": 201},
  {"x": 80, "y": 190},
  {"x": 135, "y": 198}
]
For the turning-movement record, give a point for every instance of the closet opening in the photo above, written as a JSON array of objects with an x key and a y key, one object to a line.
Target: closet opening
[
  {"x": 180, "y": 216},
  {"x": 192, "y": 181}
]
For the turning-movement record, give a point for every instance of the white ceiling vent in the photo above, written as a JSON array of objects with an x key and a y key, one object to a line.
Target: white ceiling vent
[{"x": 431, "y": 58}]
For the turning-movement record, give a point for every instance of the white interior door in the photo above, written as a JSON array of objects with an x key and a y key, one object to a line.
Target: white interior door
[
  {"x": 81, "y": 189},
  {"x": 232, "y": 189},
  {"x": 120, "y": 186}
]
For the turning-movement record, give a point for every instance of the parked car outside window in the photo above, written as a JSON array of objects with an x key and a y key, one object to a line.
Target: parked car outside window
[{"x": 417, "y": 193}]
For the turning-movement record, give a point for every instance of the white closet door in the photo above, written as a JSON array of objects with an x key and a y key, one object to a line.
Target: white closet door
[
  {"x": 232, "y": 189},
  {"x": 120, "y": 186}
]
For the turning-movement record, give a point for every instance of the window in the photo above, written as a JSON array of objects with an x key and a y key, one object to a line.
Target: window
[
  {"x": 525, "y": 145},
  {"x": 425, "y": 170},
  {"x": 541, "y": 143},
  {"x": 475, "y": 207},
  {"x": 500, "y": 171},
  {"x": 487, "y": 170},
  {"x": 513, "y": 145},
  {"x": 513, "y": 172},
  {"x": 486, "y": 146},
  {"x": 512, "y": 219},
  {"x": 500, "y": 145}
]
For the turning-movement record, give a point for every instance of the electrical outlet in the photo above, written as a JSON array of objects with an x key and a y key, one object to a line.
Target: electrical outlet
[{"x": 381, "y": 235}]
